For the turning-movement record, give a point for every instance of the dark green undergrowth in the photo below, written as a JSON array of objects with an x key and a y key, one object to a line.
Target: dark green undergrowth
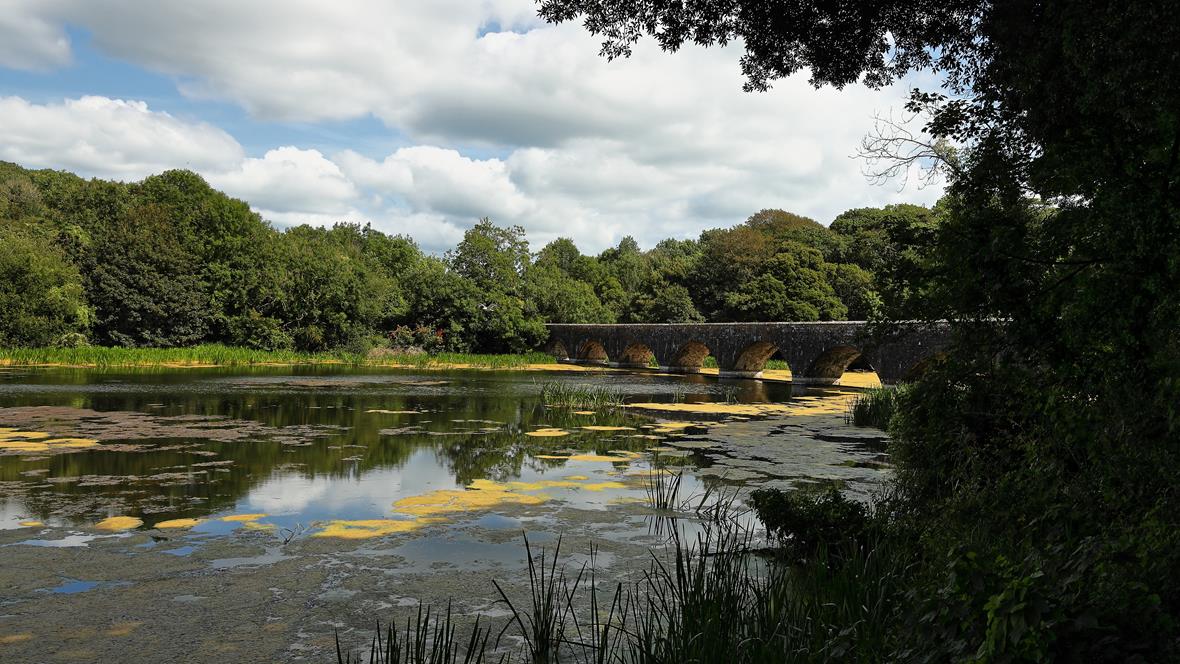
[{"x": 874, "y": 407}]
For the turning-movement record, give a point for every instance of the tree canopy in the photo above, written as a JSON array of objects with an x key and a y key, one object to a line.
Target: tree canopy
[
  {"x": 1036, "y": 461},
  {"x": 170, "y": 261}
]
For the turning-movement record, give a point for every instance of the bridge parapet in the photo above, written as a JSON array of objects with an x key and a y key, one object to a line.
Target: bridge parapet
[{"x": 817, "y": 353}]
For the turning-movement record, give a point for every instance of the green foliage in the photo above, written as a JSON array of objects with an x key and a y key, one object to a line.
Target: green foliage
[
  {"x": 171, "y": 262},
  {"x": 1042, "y": 452},
  {"x": 874, "y": 407},
  {"x": 41, "y": 299},
  {"x": 144, "y": 282},
  {"x": 805, "y": 521},
  {"x": 255, "y": 331}
]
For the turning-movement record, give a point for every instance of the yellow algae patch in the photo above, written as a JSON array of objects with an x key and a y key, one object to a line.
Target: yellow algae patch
[
  {"x": 803, "y": 406},
  {"x": 178, "y": 523},
  {"x": 706, "y": 408},
  {"x": 584, "y": 412},
  {"x": 244, "y": 517},
  {"x": 626, "y": 500},
  {"x": 31, "y": 524},
  {"x": 540, "y": 485},
  {"x": 603, "y": 486},
  {"x": 860, "y": 379},
  {"x": 547, "y": 433},
  {"x": 479, "y": 495},
  {"x": 23, "y": 445},
  {"x": 602, "y": 427},
  {"x": 394, "y": 412},
  {"x": 369, "y": 528},
  {"x": 15, "y": 638},
  {"x": 254, "y": 525},
  {"x": 652, "y": 472},
  {"x": 119, "y": 523},
  {"x": 599, "y": 458},
  {"x": 577, "y": 478},
  {"x": 15, "y": 434},
  {"x": 71, "y": 442}
]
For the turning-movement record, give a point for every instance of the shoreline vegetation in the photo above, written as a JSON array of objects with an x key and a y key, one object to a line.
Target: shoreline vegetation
[
  {"x": 219, "y": 355},
  {"x": 205, "y": 356}
]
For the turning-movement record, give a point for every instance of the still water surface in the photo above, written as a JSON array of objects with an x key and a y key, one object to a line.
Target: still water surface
[
  {"x": 253, "y": 514},
  {"x": 311, "y": 445}
]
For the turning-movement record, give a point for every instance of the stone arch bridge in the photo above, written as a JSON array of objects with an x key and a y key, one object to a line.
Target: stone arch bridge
[{"x": 817, "y": 353}]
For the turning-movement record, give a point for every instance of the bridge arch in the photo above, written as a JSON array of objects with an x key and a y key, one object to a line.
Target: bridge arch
[
  {"x": 636, "y": 354},
  {"x": 592, "y": 350},
  {"x": 923, "y": 365},
  {"x": 831, "y": 364},
  {"x": 689, "y": 356},
  {"x": 557, "y": 349},
  {"x": 753, "y": 358}
]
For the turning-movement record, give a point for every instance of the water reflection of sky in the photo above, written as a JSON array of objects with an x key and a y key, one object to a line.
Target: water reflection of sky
[{"x": 332, "y": 458}]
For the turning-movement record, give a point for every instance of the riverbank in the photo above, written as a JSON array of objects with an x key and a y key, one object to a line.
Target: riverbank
[{"x": 218, "y": 355}]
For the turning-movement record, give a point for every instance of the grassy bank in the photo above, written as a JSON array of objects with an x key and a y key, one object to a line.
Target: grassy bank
[{"x": 217, "y": 355}]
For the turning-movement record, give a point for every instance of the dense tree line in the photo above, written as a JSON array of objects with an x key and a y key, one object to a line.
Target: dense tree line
[
  {"x": 1034, "y": 515},
  {"x": 170, "y": 262}
]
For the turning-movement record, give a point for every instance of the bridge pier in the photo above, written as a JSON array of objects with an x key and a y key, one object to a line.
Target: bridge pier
[
  {"x": 679, "y": 369},
  {"x": 628, "y": 365},
  {"x": 730, "y": 373}
]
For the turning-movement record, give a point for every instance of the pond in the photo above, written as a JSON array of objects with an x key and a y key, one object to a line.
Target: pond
[{"x": 250, "y": 513}]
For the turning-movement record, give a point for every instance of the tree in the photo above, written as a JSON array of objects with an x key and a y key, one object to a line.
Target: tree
[
  {"x": 41, "y": 300},
  {"x": 144, "y": 283},
  {"x": 666, "y": 303},
  {"x": 332, "y": 296},
  {"x": 1055, "y": 263},
  {"x": 493, "y": 258},
  {"x": 560, "y": 298},
  {"x": 494, "y": 261}
]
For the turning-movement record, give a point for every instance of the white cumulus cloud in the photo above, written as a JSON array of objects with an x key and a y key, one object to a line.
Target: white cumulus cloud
[
  {"x": 498, "y": 114},
  {"x": 109, "y": 138}
]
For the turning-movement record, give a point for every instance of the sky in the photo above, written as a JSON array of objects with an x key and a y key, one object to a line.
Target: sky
[{"x": 422, "y": 116}]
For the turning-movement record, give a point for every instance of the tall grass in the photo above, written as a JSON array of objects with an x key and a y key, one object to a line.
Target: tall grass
[
  {"x": 570, "y": 395},
  {"x": 873, "y": 408},
  {"x": 230, "y": 356},
  {"x": 663, "y": 489},
  {"x": 426, "y": 639},
  {"x": 720, "y": 598}
]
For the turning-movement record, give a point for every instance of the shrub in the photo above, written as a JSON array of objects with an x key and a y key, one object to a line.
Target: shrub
[
  {"x": 256, "y": 331},
  {"x": 807, "y": 520}
]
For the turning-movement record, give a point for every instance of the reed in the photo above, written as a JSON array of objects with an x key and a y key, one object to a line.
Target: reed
[
  {"x": 663, "y": 489},
  {"x": 427, "y": 638},
  {"x": 873, "y": 408},
  {"x": 720, "y": 598},
  {"x": 569, "y": 395}
]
